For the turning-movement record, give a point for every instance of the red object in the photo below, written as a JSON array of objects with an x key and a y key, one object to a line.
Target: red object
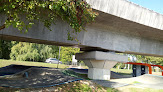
[
  {"x": 145, "y": 64},
  {"x": 160, "y": 67},
  {"x": 149, "y": 66}
]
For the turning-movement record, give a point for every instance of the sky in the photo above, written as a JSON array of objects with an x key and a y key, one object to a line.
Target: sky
[{"x": 155, "y": 5}]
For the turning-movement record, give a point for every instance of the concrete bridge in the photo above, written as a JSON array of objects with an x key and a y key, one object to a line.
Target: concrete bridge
[{"x": 120, "y": 27}]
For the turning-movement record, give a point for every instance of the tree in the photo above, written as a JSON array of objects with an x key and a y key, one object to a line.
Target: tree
[
  {"x": 5, "y": 49},
  {"x": 24, "y": 51},
  {"x": 22, "y": 14},
  {"x": 150, "y": 59},
  {"x": 67, "y": 52}
]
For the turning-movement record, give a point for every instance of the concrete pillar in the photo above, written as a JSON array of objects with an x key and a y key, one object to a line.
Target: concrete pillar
[{"x": 100, "y": 63}]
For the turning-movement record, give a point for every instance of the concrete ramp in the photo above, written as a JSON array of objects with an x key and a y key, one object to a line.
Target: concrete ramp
[
  {"x": 35, "y": 77},
  {"x": 150, "y": 79},
  {"x": 114, "y": 75},
  {"x": 13, "y": 69}
]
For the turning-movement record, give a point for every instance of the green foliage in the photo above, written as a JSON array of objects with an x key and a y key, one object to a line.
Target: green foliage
[
  {"x": 112, "y": 90},
  {"x": 24, "y": 51},
  {"x": 33, "y": 52},
  {"x": 119, "y": 65},
  {"x": 5, "y": 49},
  {"x": 67, "y": 52},
  {"x": 150, "y": 59},
  {"x": 76, "y": 13}
]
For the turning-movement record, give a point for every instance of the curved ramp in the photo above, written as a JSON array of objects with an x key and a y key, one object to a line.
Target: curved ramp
[
  {"x": 150, "y": 79},
  {"x": 36, "y": 77},
  {"x": 114, "y": 75},
  {"x": 13, "y": 69}
]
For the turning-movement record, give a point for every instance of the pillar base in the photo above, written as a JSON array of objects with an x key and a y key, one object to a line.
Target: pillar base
[
  {"x": 99, "y": 74},
  {"x": 100, "y": 63}
]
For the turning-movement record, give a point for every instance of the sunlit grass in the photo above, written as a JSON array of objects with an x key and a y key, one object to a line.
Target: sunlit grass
[
  {"x": 144, "y": 90},
  {"x": 4, "y": 63},
  {"x": 123, "y": 71}
]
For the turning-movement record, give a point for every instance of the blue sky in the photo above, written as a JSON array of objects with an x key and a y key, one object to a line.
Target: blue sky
[{"x": 155, "y": 5}]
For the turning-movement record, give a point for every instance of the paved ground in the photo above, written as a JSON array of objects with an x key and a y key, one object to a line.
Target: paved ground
[
  {"x": 114, "y": 75},
  {"x": 110, "y": 84},
  {"x": 144, "y": 81},
  {"x": 118, "y": 80}
]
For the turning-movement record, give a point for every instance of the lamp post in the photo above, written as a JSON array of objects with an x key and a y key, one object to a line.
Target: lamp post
[{"x": 59, "y": 56}]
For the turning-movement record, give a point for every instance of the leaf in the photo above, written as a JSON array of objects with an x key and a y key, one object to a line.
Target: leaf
[
  {"x": 50, "y": 7},
  {"x": 46, "y": 11},
  {"x": 64, "y": 8},
  {"x": 13, "y": 6}
]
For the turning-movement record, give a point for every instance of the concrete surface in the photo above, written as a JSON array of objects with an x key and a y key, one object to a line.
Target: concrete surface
[
  {"x": 129, "y": 11},
  {"x": 99, "y": 74},
  {"x": 12, "y": 69},
  {"x": 121, "y": 27},
  {"x": 110, "y": 84},
  {"x": 100, "y": 63},
  {"x": 150, "y": 79},
  {"x": 144, "y": 81},
  {"x": 98, "y": 55},
  {"x": 114, "y": 75},
  {"x": 36, "y": 77}
]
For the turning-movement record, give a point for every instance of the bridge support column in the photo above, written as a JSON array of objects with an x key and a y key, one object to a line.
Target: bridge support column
[{"x": 100, "y": 63}]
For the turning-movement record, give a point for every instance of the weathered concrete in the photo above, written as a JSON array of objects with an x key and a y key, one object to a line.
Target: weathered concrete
[
  {"x": 130, "y": 11},
  {"x": 117, "y": 28},
  {"x": 100, "y": 63}
]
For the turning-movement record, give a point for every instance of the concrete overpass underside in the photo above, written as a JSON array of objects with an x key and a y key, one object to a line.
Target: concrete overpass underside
[
  {"x": 107, "y": 33},
  {"x": 120, "y": 27}
]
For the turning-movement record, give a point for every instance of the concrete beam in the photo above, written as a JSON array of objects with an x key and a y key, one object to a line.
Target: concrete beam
[
  {"x": 129, "y": 11},
  {"x": 110, "y": 32},
  {"x": 100, "y": 63},
  {"x": 98, "y": 55}
]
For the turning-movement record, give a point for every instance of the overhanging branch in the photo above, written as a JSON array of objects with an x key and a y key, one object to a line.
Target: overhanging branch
[{"x": 2, "y": 26}]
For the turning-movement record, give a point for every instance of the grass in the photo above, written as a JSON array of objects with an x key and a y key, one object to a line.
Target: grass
[
  {"x": 77, "y": 86},
  {"x": 122, "y": 71},
  {"x": 4, "y": 63},
  {"x": 136, "y": 82},
  {"x": 144, "y": 90}
]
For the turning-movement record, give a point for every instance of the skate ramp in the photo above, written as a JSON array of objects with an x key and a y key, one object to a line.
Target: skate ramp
[
  {"x": 36, "y": 77},
  {"x": 12, "y": 69},
  {"x": 114, "y": 75},
  {"x": 150, "y": 79}
]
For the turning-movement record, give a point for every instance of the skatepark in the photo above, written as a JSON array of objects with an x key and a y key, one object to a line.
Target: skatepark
[
  {"x": 19, "y": 76},
  {"x": 121, "y": 28}
]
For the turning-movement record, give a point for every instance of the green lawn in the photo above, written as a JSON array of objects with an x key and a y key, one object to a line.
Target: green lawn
[
  {"x": 144, "y": 90},
  {"x": 4, "y": 63},
  {"x": 122, "y": 71}
]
